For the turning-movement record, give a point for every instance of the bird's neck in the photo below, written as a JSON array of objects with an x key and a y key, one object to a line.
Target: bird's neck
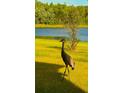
[{"x": 62, "y": 46}]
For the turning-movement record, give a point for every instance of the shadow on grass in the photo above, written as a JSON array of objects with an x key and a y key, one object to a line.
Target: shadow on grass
[{"x": 49, "y": 80}]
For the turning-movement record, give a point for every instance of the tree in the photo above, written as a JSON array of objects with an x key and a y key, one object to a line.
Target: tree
[
  {"x": 72, "y": 21},
  {"x": 54, "y": 13}
]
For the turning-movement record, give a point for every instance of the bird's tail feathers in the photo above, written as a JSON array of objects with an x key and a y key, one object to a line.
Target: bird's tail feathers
[{"x": 73, "y": 67}]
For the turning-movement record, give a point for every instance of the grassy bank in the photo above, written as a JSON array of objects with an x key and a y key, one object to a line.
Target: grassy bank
[
  {"x": 49, "y": 68},
  {"x": 56, "y": 26}
]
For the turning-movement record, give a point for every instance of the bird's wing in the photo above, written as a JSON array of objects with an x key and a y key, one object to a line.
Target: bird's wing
[
  {"x": 70, "y": 60},
  {"x": 66, "y": 57}
]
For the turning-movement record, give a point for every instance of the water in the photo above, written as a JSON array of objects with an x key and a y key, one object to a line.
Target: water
[{"x": 81, "y": 35}]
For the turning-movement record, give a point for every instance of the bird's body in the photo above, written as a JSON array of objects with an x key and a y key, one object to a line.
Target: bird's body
[{"x": 66, "y": 58}]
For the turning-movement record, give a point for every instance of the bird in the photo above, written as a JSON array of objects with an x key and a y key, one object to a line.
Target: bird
[{"x": 67, "y": 59}]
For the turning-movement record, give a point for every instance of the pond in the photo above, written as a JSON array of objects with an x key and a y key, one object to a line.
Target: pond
[{"x": 82, "y": 34}]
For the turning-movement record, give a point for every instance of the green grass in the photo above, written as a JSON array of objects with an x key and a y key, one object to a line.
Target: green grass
[
  {"x": 49, "y": 68},
  {"x": 57, "y": 26}
]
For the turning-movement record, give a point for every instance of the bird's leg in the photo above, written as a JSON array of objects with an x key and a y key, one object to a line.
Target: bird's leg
[
  {"x": 64, "y": 73},
  {"x": 68, "y": 73}
]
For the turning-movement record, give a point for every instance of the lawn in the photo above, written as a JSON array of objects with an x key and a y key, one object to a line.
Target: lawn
[
  {"x": 49, "y": 68},
  {"x": 56, "y": 26}
]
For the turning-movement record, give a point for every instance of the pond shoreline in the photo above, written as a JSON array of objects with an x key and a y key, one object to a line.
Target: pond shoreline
[
  {"x": 82, "y": 34},
  {"x": 56, "y": 26},
  {"x": 54, "y": 38}
]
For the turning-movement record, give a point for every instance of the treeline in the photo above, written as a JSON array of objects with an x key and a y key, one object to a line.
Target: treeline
[{"x": 58, "y": 13}]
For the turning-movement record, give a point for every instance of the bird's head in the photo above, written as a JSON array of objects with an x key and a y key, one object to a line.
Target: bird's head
[{"x": 62, "y": 40}]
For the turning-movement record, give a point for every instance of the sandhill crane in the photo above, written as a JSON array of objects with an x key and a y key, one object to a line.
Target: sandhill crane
[{"x": 67, "y": 59}]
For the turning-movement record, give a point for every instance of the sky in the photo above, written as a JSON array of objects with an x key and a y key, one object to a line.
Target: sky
[{"x": 68, "y": 2}]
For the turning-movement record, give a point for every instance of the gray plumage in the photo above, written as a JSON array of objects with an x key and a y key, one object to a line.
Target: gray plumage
[{"x": 67, "y": 59}]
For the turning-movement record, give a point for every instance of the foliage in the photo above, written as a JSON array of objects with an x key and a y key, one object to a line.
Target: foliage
[{"x": 55, "y": 13}]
